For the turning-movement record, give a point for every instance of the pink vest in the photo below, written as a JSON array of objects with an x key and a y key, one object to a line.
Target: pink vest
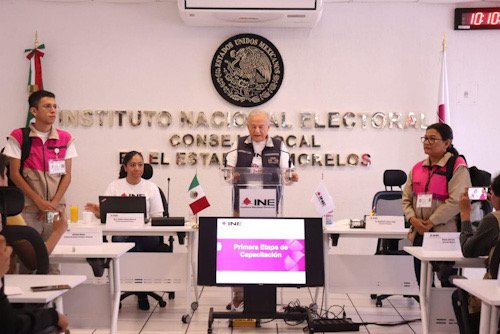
[
  {"x": 432, "y": 179},
  {"x": 36, "y": 166},
  {"x": 40, "y": 153}
]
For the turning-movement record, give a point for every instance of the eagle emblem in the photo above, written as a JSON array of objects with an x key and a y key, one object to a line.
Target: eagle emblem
[{"x": 247, "y": 70}]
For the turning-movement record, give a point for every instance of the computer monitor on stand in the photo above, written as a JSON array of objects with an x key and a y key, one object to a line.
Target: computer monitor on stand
[{"x": 260, "y": 254}]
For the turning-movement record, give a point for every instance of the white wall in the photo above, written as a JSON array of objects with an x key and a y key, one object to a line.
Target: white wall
[{"x": 360, "y": 58}]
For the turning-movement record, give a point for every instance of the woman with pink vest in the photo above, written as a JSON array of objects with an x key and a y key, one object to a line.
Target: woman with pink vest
[{"x": 430, "y": 203}]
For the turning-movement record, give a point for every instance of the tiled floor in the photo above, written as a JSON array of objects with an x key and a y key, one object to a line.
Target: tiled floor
[{"x": 168, "y": 320}]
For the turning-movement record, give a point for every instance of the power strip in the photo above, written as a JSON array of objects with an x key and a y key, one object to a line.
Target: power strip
[{"x": 332, "y": 325}]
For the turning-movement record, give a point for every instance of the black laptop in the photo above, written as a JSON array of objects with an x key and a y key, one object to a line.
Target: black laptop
[{"x": 121, "y": 204}]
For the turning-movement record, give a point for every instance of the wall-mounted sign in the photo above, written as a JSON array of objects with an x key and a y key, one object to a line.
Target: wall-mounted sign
[
  {"x": 477, "y": 18},
  {"x": 247, "y": 70}
]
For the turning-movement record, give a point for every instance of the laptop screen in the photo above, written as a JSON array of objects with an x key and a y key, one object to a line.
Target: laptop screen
[{"x": 121, "y": 204}]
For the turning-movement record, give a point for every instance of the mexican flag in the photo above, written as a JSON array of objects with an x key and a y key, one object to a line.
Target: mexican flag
[
  {"x": 35, "y": 82},
  {"x": 197, "y": 199}
]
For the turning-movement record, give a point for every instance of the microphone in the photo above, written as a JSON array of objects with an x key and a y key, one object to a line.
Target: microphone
[
  {"x": 168, "y": 195},
  {"x": 289, "y": 158},
  {"x": 225, "y": 156},
  {"x": 289, "y": 172},
  {"x": 168, "y": 189},
  {"x": 227, "y": 175}
]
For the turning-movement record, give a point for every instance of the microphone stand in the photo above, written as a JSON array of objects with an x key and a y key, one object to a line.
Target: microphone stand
[
  {"x": 168, "y": 197},
  {"x": 289, "y": 166},
  {"x": 289, "y": 171},
  {"x": 226, "y": 172}
]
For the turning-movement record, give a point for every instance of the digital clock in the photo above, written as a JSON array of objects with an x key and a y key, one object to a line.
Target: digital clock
[{"x": 477, "y": 18}]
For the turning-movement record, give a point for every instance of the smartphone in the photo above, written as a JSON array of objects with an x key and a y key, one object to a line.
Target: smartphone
[
  {"x": 51, "y": 216},
  {"x": 50, "y": 287},
  {"x": 478, "y": 193}
]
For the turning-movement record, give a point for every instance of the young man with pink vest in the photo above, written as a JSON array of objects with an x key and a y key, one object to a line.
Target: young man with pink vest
[
  {"x": 46, "y": 173},
  {"x": 430, "y": 203}
]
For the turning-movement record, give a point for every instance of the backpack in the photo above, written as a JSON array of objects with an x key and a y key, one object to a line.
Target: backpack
[
  {"x": 478, "y": 177},
  {"x": 25, "y": 152}
]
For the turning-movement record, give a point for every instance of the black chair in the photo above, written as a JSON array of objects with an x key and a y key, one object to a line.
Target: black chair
[
  {"x": 389, "y": 203},
  {"x": 161, "y": 245},
  {"x": 12, "y": 204}
]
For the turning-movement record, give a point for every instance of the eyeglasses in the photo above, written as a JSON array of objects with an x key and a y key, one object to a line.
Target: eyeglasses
[
  {"x": 430, "y": 140},
  {"x": 49, "y": 106}
]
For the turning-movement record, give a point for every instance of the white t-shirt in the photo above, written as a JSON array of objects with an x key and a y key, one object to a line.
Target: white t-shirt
[
  {"x": 13, "y": 149},
  {"x": 154, "y": 204}
]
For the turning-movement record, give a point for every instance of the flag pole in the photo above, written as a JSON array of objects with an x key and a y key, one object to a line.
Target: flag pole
[{"x": 443, "y": 110}]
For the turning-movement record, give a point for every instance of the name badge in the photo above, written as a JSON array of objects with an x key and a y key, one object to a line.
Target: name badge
[
  {"x": 385, "y": 223},
  {"x": 125, "y": 220},
  {"x": 424, "y": 200},
  {"x": 57, "y": 166},
  {"x": 82, "y": 236},
  {"x": 444, "y": 242}
]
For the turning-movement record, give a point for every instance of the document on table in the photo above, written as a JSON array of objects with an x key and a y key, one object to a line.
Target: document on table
[{"x": 12, "y": 290}]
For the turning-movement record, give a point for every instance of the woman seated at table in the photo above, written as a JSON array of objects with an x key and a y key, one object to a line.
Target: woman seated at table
[{"x": 134, "y": 185}]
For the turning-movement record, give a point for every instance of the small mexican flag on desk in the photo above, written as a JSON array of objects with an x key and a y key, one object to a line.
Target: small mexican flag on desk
[{"x": 197, "y": 199}]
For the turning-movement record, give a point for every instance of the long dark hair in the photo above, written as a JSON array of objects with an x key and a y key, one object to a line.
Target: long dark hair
[
  {"x": 125, "y": 160},
  {"x": 446, "y": 133}
]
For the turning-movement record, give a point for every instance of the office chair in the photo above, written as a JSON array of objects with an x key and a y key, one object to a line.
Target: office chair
[
  {"x": 36, "y": 258},
  {"x": 389, "y": 203},
  {"x": 162, "y": 246}
]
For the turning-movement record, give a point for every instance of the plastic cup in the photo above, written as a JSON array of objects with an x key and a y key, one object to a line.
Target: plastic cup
[
  {"x": 87, "y": 217},
  {"x": 73, "y": 214}
]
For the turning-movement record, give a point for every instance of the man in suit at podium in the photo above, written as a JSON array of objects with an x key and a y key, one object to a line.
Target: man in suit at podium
[{"x": 257, "y": 150}]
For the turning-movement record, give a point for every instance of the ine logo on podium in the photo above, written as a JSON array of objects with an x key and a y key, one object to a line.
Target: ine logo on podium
[{"x": 247, "y": 70}]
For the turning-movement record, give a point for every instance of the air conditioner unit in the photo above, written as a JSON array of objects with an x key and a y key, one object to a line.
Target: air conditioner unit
[{"x": 251, "y": 13}]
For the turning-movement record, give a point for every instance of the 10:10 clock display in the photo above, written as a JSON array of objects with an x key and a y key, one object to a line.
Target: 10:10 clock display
[{"x": 477, "y": 18}]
